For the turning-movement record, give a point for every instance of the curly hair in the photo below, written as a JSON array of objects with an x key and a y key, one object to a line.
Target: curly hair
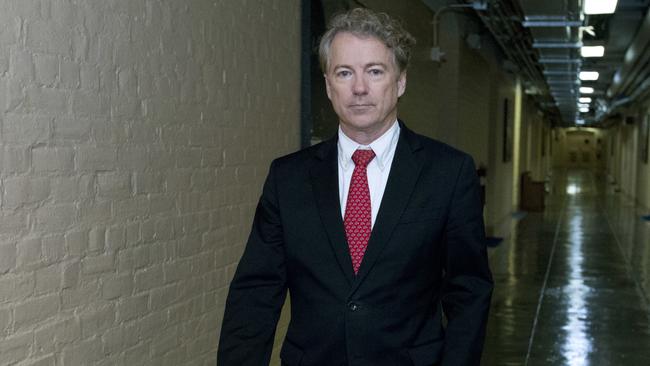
[{"x": 367, "y": 23}]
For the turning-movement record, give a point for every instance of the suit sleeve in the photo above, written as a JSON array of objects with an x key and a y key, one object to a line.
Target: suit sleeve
[
  {"x": 258, "y": 289},
  {"x": 468, "y": 282}
]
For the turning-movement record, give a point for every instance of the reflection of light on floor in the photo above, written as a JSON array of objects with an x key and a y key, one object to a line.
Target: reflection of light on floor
[
  {"x": 577, "y": 345},
  {"x": 572, "y": 189}
]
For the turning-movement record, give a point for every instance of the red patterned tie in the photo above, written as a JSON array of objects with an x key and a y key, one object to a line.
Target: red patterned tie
[{"x": 357, "y": 210}]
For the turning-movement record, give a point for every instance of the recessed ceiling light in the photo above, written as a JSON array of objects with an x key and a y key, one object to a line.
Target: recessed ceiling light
[
  {"x": 589, "y": 75},
  {"x": 600, "y": 6},
  {"x": 586, "y": 90},
  {"x": 592, "y": 51}
]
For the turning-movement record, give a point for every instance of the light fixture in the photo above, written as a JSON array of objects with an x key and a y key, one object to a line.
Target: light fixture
[
  {"x": 600, "y": 6},
  {"x": 592, "y": 51},
  {"x": 583, "y": 105},
  {"x": 584, "y": 100},
  {"x": 584, "y": 109},
  {"x": 589, "y": 75},
  {"x": 573, "y": 189},
  {"x": 580, "y": 121},
  {"x": 586, "y": 90}
]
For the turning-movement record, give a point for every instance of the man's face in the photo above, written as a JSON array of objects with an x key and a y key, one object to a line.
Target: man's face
[{"x": 363, "y": 84}]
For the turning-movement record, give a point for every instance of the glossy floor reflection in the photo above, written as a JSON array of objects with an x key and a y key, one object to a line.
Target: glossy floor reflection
[{"x": 573, "y": 282}]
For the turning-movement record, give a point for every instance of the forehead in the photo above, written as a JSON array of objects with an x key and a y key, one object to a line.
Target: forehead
[{"x": 349, "y": 48}]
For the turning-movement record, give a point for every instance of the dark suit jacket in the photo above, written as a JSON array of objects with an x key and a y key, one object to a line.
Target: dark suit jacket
[{"x": 426, "y": 256}]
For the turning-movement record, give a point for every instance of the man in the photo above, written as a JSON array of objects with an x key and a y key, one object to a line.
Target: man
[{"x": 377, "y": 233}]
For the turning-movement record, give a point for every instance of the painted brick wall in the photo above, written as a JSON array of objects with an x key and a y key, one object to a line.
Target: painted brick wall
[{"x": 135, "y": 136}]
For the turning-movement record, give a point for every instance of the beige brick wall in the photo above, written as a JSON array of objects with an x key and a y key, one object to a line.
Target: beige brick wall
[{"x": 134, "y": 139}]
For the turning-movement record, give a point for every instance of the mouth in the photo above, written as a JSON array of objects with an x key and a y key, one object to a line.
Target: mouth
[{"x": 361, "y": 106}]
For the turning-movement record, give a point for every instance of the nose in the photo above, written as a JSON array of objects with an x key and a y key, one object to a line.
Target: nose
[{"x": 359, "y": 86}]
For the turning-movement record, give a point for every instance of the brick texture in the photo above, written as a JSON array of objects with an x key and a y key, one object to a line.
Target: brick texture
[{"x": 134, "y": 140}]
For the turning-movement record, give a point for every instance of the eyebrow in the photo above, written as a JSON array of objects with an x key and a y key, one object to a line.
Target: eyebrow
[
  {"x": 368, "y": 65},
  {"x": 376, "y": 64}
]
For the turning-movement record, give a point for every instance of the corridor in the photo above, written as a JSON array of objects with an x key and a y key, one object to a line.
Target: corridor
[
  {"x": 136, "y": 137},
  {"x": 573, "y": 282}
]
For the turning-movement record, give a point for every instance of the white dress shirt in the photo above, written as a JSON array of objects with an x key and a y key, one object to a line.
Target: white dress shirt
[{"x": 378, "y": 168}]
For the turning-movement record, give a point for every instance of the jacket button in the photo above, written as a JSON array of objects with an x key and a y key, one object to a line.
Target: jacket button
[{"x": 353, "y": 307}]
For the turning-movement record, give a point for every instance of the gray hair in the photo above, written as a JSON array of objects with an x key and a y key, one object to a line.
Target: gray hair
[{"x": 367, "y": 23}]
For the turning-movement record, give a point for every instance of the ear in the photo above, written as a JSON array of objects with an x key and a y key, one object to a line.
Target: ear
[
  {"x": 401, "y": 84},
  {"x": 327, "y": 87}
]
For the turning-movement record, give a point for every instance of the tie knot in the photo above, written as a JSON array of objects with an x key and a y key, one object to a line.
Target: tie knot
[{"x": 362, "y": 157}]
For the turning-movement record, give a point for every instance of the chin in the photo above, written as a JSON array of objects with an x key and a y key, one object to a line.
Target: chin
[
  {"x": 362, "y": 123},
  {"x": 362, "y": 126}
]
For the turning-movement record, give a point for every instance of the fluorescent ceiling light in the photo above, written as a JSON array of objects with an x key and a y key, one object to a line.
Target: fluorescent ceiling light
[
  {"x": 586, "y": 90},
  {"x": 583, "y": 105},
  {"x": 584, "y": 100},
  {"x": 589, "y": 75},
  {"x": 584, "y": 110},
  {"x": 592, "y": 51},
  {"x": 599, "y": 6}
]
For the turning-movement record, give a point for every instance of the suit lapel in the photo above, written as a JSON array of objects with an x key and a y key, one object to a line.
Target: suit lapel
[
  {"x": 324, "y": 177},
  {"x": 403, "y": 175}
]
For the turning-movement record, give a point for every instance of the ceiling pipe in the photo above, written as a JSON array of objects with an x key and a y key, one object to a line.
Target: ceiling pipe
[
  {"x": 632, "y": 80},
  {"x": 635, "y": 61},
  {"x": 436, "y": 53},
  {"x": 503, "y": 20},
  {"x": 641, "y": 90},
  {"x": 546, "y": 21}
]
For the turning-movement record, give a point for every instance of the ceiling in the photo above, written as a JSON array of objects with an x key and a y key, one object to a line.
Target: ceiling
[
  {"x": 542, "y": 38},
  {"x": 559, "y": 28}
]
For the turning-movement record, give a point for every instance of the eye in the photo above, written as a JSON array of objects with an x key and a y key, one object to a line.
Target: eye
[
  {"x": 343, "y": 73},
  {"x": 376, "y": 72}
]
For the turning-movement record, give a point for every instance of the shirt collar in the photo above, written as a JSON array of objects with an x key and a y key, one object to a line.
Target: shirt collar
[{"x": 383, "y": 146}]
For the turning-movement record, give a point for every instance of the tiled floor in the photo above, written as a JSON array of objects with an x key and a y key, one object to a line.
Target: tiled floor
[{"x": 573, "y": 282}]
